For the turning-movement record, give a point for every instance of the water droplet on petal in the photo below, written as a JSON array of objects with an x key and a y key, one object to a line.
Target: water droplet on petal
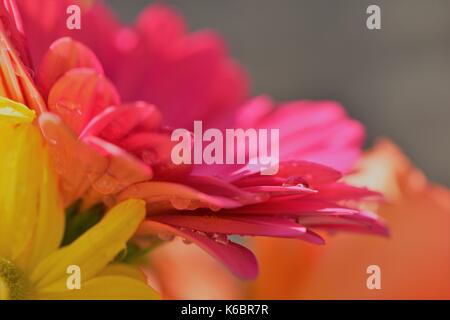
[
  {"x": 214, "y": 208},
  {"x": 165, "y": 236},
  {"x": 220, "y": 238},
  {"x": 106, "y": 184},
  {"x": 180, "y": 203},
  {"x": 295, "y": 182},
  {"x": 186, "y": 241},
  {"x": 201, "y": 233}
]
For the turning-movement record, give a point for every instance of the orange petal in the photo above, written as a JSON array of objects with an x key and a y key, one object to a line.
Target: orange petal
[
  {"x": 92, "y": 163},
  {"x": 188, "y": 272},
  {"x": 123, "y": 169},
  {"x": 63, "y": 55},
  {"x": 80, "y": 95},
  {"x": 75, "y": 163}
]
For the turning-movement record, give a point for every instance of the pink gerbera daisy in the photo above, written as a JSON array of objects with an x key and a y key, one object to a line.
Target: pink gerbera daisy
[{"x": 107, "y": 150}]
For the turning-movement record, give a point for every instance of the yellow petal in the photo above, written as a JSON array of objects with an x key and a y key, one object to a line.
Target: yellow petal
[
  {"x": 94, "y": 249},
  {"x": 120, "y": 269},
  {"x": 19, "y": 187},
  {"x": 31, "y": 216},
  {"x": 49, "y": 228},
  {"x": 105, "y": 288},
  {"x": 13, "y": 113},
  {"x": 21, "y": 173}
]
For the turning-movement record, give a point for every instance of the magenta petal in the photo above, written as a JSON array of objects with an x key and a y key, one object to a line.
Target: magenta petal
[
  {"x": 235, "y": 225},
  {"x": 362, "y": 221},
  {"x": 293, "y": 206},
  {"x": 312, "y": 173},
  {"x": 302, "y": 172},
  {"x": 218, "y": 187},
  {"x": 160, "y": 27},
  {"x": 12, "y": 22},
  {"x": 281, "y": 190},
  {"x": 342, "y": 191},
  {"x": 253, "y": 111},
  {"x": 236, "y": 258},
  {"x": 325, "y": 131}
]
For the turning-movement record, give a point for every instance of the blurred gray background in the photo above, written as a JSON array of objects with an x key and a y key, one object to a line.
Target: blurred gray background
[{"x": 395, "y": 80}]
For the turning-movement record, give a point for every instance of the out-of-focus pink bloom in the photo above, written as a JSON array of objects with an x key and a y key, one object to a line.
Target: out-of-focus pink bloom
[
  {"x": 317, "y": 131},
  {"x": 107, "y": 150},
  {"x": 155, "y": 60}
]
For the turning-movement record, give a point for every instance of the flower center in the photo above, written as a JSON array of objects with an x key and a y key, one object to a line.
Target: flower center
[{"x": 13, "y": 283}]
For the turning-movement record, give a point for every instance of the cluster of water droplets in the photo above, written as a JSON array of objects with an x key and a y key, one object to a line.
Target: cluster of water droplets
[
  {"x": 217, "y": 237},
  {"x": 181, "y": 203}
]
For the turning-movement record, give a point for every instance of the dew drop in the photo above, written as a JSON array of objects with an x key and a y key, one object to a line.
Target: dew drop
[
  {"x": 220, "y": 238},
  {"x": 213, "y": 207},
  {"x": 165, "y": 236},
  {"x": 180, "y": 203},
  {"x": 295, "y": 182},
  {"x": 186, "y": 241},
  {"x": 106, "y": 184}
]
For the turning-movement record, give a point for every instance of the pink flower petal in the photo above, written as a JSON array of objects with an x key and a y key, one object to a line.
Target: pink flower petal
[
  {"x": 114, "y": 123},
  {"x": 274, "y": 191},
  {"x": 12, "y": 22},
  {"x": 234, "y": 224},
  {"x": 236, "y": 258},
  {"x": 241, "y": 225},
  {"x": 295, "y": 172},
  {"x": 359, "y": 222},
  {"x": 341, "y": 191},
  {"x": 161, "y": 196},
  {"x": 218, "y": 187},
  {"x": 293, "y": 206},
  {"x": 316, "y": 131}
]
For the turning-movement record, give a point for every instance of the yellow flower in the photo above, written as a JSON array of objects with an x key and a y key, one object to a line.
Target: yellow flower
[{"x": 32, "y": 266}]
